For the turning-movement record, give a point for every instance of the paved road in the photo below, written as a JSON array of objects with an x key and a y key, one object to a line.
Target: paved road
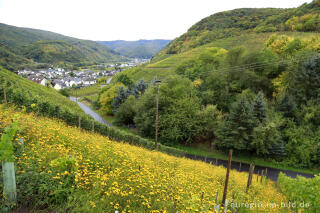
[
  {"x": 271, "y": 172},
  {"x": 109, "y": 80},
  {"x": 90, "y": 112}
]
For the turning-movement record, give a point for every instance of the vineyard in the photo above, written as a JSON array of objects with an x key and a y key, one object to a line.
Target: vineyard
[{"x": 64, "y": 168}]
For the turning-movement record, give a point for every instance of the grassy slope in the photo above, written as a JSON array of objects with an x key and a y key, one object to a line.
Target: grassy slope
[
  {"x": 164, "y": 64},
  {"x": 38, "y": 91},
  {"x": 85, "y": 172}
]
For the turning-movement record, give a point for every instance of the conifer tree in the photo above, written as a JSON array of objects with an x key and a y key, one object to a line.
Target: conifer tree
[
  {"x": 139, "y": 88},
  {"x": 239, "y": 126},
  {"x": 119, "y": 99},
  {"x": 287, "y": 106},
  {"x": 306, "y": 83},
  {"x": 259, "y": 108}
]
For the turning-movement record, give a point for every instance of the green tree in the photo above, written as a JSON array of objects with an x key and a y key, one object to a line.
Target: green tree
[
  {"x": 126, "y": 112},
  {"x": 177, "y": 105},
  {"x": 106, "y": 98},
  {"x": 181, "y": 122},
  {"x": 239, "y": 126},
  {"x": 306, "y": 82},
  {"x": 140, "y": 88},
  {"x": 119, "y": 99},
  {"x": 212, "y": 119},
  {"x": 259, "y": 108},
  {"x": 265, "y": 137},
  {"x": 124, "y": 79},
  {"x": 287, "y": 106}
]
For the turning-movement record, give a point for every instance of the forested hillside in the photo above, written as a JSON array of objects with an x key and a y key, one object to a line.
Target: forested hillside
[
  {"x": 137, "y": 49},
  {"x": 242, "y": 21},
  {"x": 21, "y": 47},
  {"x": 250, "y": 90}
]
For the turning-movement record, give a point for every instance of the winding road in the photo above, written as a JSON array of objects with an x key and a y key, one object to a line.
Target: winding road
[
  {"x": 90, "y": 112},
  {"x": 272, "y": 173}
]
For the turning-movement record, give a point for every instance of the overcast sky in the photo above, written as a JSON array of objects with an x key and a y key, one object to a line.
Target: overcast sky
[{"x": 121, "y": 19}]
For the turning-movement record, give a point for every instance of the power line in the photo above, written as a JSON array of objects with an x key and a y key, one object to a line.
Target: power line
[{"x": 256, "y": 65}]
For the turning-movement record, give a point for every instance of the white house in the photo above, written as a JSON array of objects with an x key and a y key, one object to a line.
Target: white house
[
  {"x": 89, "y": 81},
  {"x": 38, "y": 79},
  {"x": 58, "y": 85}
]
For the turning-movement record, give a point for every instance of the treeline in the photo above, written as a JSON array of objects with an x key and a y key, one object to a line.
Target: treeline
[{"x": 262, "y": 102}]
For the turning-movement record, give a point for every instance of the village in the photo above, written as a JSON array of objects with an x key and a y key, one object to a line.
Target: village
[{"x": 59, "y": 78}]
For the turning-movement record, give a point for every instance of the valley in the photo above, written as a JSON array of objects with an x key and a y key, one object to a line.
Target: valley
[{"x": 223, "y": 118}]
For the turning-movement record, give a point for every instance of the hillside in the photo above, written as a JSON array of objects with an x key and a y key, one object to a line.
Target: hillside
[
  {"x": 164, "y": 65},
  {"x": 242, "y": 21},
  {"x": 18, "y": 85},
  {"x": 210, "y": 93},
  {"x": 245, "y": 28},
  {"x": 85, "y": 172},
  {"x": 136, "y": 49},
  {"x": 32, "y": 45},
  {"x": 46, "y": 101}
]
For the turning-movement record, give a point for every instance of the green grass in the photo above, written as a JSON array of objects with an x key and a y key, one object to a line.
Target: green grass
[{"x": 86, "y": 91}]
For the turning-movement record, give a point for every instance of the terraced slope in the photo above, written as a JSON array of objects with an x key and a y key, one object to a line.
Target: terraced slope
[{"x": 36, "y": 91}]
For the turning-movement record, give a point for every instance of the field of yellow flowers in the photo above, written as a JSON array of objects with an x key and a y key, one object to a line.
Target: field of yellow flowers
[{"x": 63, "y": 168}]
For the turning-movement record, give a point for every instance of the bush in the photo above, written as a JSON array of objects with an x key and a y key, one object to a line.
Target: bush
[
  {"x": 64, "y": 92},
  {"x": 301, "y": 190},
  {"x": 126, "y": 112}
]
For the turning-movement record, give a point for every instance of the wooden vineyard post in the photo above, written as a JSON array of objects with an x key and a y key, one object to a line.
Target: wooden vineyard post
[
  {"x": 258, "y": 176},
  {"x": 79, "y": 122},
  {"x": 266, "y": 172},
  {"x": 216, "y": 201},
  {"x": 250, "y": 177},
  {"x": 202, "y": 195},
  {"x": 261, "y": 176},
  {"x": 92, "y": 125},
  {"x": 227, "y": 178},
  {"x": 216, "y": 206},
  {"x": 240, "y": 167}
]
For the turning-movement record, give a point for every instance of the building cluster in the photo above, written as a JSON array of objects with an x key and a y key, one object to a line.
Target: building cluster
[{"x": 59, "y": 78}]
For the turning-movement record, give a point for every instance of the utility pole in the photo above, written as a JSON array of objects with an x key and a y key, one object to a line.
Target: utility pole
[
  {"x": 157, "y": 115},
  {"x": 5, "y": 95}
]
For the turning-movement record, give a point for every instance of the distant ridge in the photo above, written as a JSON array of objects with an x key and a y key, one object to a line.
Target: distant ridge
[
  {"x": 137, "y": 49},
  {"x": 21, "y": 47}
]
